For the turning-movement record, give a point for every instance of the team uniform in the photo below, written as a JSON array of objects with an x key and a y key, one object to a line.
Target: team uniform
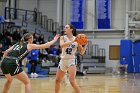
[
  {"x": 68, "y": 55},
  {"x": 123, "y": 62},
  {"x": 11, "y": 63}
]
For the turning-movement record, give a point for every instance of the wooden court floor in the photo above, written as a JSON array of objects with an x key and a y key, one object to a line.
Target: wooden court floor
[{"x": 95, "y": 83}]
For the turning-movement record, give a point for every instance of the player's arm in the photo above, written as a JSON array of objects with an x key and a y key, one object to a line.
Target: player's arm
[
  {"x": 42, "y": 46},
  {"x": 65, "y": 44},
  {"x": 7, "y": 51},
  {"x": 82, "y": 49}
]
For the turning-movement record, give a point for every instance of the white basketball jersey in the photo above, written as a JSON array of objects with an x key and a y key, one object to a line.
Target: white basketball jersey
[{"x": 69, "y": 51}]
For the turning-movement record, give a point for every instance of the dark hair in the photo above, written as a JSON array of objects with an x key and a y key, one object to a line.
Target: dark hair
[
  {"x": 123, "y": 57},
  {"x": 74, "y": 29}
]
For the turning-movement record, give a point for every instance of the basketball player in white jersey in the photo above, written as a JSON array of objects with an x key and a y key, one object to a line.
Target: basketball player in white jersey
[{"x": 68, "y": 61}]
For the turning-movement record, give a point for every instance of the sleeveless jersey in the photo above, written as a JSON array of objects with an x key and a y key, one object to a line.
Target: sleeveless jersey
[
  {"x": 69, "y": 51},
  {"x": 19, "y": 51}
]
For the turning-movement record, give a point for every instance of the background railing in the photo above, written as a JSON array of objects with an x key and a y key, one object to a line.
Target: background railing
[{"x": 30, "y": 16}]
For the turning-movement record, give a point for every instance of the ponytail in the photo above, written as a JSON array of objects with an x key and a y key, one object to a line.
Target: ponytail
[
  {"x": 74, "y": 32},
  {"x": 25, "y": 38},
  {"x": 22, "y": 40},
  {"x": 74, "y": 29}
]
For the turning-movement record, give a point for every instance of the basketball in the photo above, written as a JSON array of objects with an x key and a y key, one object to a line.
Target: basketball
[{"x": 81, "y": 39}]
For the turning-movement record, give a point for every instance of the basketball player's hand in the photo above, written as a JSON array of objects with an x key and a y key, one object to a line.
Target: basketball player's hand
[
  {"x": 75, "y": 40},
  {"x": 86, "y": 43},
  {"x": 83, "y": 45},
  {"x": 56, "y": 37}
]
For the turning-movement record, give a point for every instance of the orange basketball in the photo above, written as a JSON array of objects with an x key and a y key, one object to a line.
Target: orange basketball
[{"x": 81, "y": 39}]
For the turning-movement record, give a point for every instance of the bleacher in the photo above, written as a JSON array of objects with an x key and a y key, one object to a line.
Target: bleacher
[{"x": 92, "y": 64}]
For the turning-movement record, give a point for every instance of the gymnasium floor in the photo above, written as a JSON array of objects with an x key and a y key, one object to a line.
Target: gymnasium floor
[{"x": 95, "y": 83}]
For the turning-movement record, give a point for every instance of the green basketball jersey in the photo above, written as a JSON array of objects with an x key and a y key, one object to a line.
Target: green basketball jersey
[{"x": 19, "y": 51}]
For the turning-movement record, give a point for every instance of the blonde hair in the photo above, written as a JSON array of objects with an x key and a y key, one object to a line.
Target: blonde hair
[{"x": 25, "y": 37}]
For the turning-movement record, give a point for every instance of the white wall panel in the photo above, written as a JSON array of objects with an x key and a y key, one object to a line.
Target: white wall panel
[
  {"x": 49, "y": 8},
  {"x": 27, "y": 4},
  {"x": 90, "y": 14},
  {"x": 118, "y": 14},
  {"x": 137, "y": 4},
  {"x": 137, "y": 8},
  {"x": 2, "y": 6}
]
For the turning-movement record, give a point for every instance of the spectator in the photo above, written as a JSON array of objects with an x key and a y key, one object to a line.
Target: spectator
[
  {"x": 16, "y": 35},
  {"x": 123, "y": 65},
  {"x": 35, "y": 15},
  {"x": 2, "y": 19},
  {"x": 41, "y": 39},
  {"x": 43, "y": 54},
  {"x": 53, "y": 55},
  {"x": 1, "y": 51},
  {"x": 53, "y": 50},
  {"x": 7, "y": 40},
  {"x": 33, "y": 59},
  {"x": 1, "y": 36}
]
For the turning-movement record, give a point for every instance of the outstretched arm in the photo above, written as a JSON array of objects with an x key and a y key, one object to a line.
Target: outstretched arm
[
  {"x": 41, "y": 46},
  {"x": 7, "y": 51}
]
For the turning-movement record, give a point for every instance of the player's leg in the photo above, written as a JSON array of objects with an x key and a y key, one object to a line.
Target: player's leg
[
  {"x": 72, "y": 75},
  {"x": 59, "y": 76},
  {"x": 31, "y": 70},
  {"x": 125, "y": 68},
  {"x": 34, "y": 68},
  {"x": 7, "y": 83},
  {"x": 24, "y": 78},
  {"x": 119, "y": 69}
]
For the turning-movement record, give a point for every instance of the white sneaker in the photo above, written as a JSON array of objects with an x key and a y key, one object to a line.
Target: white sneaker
[
  {"x": 32, "y": 75},
  {"x": 85, "y": 72},
  {"x": 118, "y": 72},
  {"x": 35, "y": 75},
  {"x": 125, "y": 73}
]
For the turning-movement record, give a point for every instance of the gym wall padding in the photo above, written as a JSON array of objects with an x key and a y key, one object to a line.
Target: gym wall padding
[
  {"x": 136, "y": 47},
  {"x": 126, "y": 50}
]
